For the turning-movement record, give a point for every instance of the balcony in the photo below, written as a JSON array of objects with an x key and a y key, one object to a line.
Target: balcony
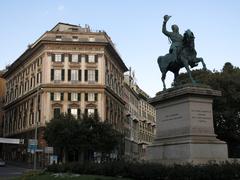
[
  {"x": 74, "y": 81},
  {"x": 153, "y": 124},
  {"x": 92, "y": 82},
  {"x": 56, "y": 81},
  {"x": 128, "y": 113},
  {"x": 135, "y": 118}
]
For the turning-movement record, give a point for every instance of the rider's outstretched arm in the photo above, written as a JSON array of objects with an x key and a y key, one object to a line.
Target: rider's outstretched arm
[{"x": 164, "y": 29}]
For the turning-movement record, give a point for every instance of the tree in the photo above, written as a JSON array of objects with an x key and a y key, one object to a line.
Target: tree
[
  {"x": 98, "y": 136},
  {"x": 85, "y": 136},
  {"x": 226, "y": 109},
  {"x": 62, "y": 132}
]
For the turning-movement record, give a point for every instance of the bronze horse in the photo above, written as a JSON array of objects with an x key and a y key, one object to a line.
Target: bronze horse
[{"x": 186, "y": 57}]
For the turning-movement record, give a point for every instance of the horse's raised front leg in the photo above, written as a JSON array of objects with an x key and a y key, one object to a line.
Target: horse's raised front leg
[
  {"x": 185, "y": 63},
  {"x": 203, "y": 63}
]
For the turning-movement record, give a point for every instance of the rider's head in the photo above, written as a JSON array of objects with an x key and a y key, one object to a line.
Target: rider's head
[{"x": 175, "y": 28}]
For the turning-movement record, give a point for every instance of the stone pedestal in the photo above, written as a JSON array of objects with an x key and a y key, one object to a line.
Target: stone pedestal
[{"x": 185, "y": 130}]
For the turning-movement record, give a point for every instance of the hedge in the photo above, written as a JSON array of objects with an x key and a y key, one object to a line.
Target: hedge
[{"x": 152, "y": 171}]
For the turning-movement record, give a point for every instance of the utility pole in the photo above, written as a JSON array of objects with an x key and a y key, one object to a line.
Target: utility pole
[{"x": 36, "y": 130}]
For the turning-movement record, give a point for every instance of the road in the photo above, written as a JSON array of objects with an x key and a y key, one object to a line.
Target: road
[{"x": 10, "y": 171}]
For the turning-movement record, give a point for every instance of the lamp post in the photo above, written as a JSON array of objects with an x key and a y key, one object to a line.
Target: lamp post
[{"x": 36, "y": 129}]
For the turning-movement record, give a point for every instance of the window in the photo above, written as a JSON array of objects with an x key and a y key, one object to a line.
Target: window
[
  {"x": 39, "y": 77},
  {"x": 90, "y": 112},
  {"x": 91, "y": 39},
  {"x": 74, "y": 96},
  {"x": 74, "y": 75},
  {"x": 58, "y": 58},
  {"x": 39, "y": 61},
  {"x": 31, "y": 120},
  {"x": 91, "y": 96},
  {"x": 58, "y": 38},
  {"x": 56, "y": 112},
  {"x": 91, "y": 58},
  {"x": 26, "y": 85},
  {"x": 57, "y": 96},
  {"x": 57, "y": 75},
  {"x": 74, "y": 38},
  {"x": 75, "y": 58},
  {"x": 21, "y": 89},
  {"x": 83, "y": 57},
  {"x": 74, "y": 112},
  {"x": 31, "y": 82},
  {"x": 91, "y": 75}
]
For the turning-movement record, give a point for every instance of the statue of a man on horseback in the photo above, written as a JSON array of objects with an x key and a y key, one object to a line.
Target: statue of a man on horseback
[{"x": 182, "y": 53}]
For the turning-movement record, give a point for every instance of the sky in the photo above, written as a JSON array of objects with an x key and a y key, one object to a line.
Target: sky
[{"x": 134, "y": 27}]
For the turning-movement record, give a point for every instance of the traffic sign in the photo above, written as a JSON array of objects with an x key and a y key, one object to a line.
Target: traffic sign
[
  {"x": 32, "y": 141},
  {"x": 32, "y": 145},
  {"x": 48, "y": 150}
]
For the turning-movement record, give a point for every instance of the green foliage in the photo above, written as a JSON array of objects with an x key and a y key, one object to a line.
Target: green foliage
[
  {"x": 226, "y": 109},
  {"x": 152, "y": 171},
  {"x": 62, "y": 132},
  {"x": 87, "y": 134},
  {"x": 98, "y": 136}
]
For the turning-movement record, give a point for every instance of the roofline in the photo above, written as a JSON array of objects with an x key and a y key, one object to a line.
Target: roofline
[
  {"x": 27, "y": 53},
  {"x": 132, "y": 90},
  {"x": 64, "y": 24}
]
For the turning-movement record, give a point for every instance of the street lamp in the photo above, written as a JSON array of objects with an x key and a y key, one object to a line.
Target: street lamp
[{"x": 36, "y": 129}]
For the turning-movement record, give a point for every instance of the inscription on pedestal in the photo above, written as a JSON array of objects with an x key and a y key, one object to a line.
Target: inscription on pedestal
[
  {"x": 171, "y": 117},
  {"x": 201, "y": 115}
]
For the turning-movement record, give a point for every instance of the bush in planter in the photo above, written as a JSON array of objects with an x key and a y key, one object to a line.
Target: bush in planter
[{"x": 151, "y": 171}]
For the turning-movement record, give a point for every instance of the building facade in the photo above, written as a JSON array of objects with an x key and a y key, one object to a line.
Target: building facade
[
  {"x": 2, "y": 97},
  {"x": 68, "y": 69},
  {"x": 140, "y": 119},
  {"x": 131, "y": 120},
  {"x": 147, "y": 125}
]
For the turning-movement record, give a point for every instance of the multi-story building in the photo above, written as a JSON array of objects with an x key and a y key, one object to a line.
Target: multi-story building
[
  {"x": 68, "y": 69},
  {"x": 131, "y": 119},
  {"x": 2, "y": 96},
  {"x": 140, "y": 119},
  {"x": 147, "y": 123}
]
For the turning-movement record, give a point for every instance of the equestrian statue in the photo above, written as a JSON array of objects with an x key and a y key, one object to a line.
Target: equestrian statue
[{"x": 181, "y": 54}]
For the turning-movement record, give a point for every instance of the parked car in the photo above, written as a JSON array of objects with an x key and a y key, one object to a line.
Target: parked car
[{"x": 2, "y": 163}]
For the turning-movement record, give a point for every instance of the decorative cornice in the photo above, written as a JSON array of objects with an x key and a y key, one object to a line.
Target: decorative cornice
[{"x": 40, "y": 46}]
